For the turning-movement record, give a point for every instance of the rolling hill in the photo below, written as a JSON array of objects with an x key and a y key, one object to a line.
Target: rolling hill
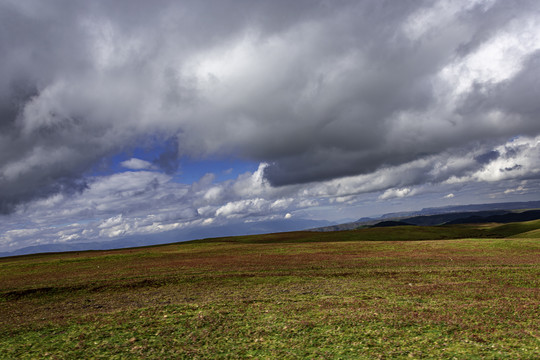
[{"x": 447, "y": 291}]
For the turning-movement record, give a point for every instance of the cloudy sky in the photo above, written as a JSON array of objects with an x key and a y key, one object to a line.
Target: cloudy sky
[{"x": 135, "y": 117}]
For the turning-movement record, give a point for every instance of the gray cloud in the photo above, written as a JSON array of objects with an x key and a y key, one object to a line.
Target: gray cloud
[
  {"x": 317, "y": 90},
  {"x": 487, "y": 157},
  {"x": 168, "y": 160}
]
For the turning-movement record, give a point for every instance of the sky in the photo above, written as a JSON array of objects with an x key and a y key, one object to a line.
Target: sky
[{"x": 134, "y": 117}]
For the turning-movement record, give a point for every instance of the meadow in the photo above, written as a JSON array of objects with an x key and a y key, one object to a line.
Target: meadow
[{"x": 446, "y": 292}]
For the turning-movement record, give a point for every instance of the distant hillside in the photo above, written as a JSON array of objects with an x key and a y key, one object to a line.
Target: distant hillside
[
  {"x": 392, "y": 233},
  {"x": 383, "y": 231},
  {"x": 497, "y": 212},
  {"x": 440, "y": 219},
  {"x": 391, "y": 223},
  {"x": 501, "y": 218}
]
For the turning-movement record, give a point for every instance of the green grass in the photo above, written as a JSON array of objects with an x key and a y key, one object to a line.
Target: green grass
[
  {"x": 515, "y": 229},
  {"x": 363, "y": 294}
]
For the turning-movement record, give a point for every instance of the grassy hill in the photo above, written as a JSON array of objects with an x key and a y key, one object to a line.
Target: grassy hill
[{"x": 389, "y": 292}]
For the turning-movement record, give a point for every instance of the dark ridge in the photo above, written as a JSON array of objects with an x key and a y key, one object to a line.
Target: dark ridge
[
  {"x": 469, "y": 220},
  {"x": 437, "y": 216},
  {"x": 501, "y": 219},
  {"x": 440, "y": 219},
  {"x": 390, "y": 223},
  {"x": 482, "y": 207}
]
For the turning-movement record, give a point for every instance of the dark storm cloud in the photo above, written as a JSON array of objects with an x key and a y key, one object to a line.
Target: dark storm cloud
[
  {"x": 487, "y": 157},
  {"x": 168, "y": 160},
  {"x": 67, "y": 73},
  {"x": 317, "y": 89},
  {"x": 516, "y": 96},
  {"x": 519, "y": 95},
  {"x": 407, "y": 83}
]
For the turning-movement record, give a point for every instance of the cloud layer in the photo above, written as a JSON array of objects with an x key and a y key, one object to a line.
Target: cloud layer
[
  {"x": 316, "y": 90},
  {"x": 348, "y": 97}
]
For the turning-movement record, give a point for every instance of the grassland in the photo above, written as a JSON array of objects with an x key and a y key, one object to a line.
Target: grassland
[{"x": 464, "y": 292}]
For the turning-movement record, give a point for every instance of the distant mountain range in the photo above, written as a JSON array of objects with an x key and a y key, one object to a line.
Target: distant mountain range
[{"x": 462, "y": 214}]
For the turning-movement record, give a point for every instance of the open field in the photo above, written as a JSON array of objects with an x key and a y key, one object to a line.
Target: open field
[{"x": 370, "y": 293}]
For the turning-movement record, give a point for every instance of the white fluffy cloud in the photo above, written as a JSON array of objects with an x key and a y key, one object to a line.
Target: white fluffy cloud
[
  {"x": 396, "y": 193},
  {"x": 137, "y": 164}
]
